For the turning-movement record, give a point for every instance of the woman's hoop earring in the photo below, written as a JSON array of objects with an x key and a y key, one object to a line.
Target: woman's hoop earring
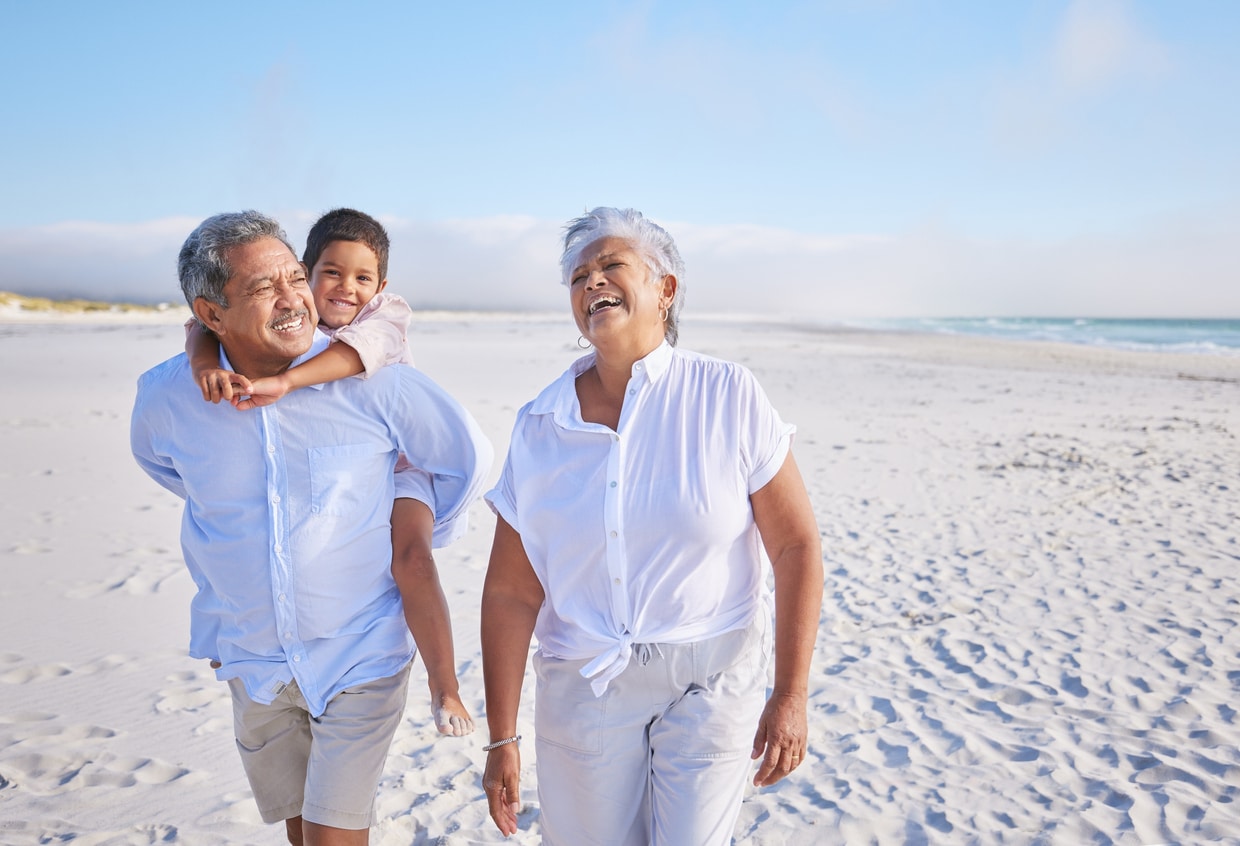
[
  {"x": 663, "y": 315},
  {"x": 582, "y": 343}
]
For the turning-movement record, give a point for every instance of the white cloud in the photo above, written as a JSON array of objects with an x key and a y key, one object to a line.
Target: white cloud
[
  {"x": 1173, "y": 267},
  {"x": 1099, "y": 43},
  {"x": 1097, "y": 48},
  {"x": 114, "y": 262}
]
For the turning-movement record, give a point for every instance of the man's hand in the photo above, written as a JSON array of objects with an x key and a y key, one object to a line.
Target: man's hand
[
  {"x": 217, "y": 384},
  {"x": 780, "y": 740}
]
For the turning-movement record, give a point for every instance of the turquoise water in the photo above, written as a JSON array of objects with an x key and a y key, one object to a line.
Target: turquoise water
[{"x": 1212, "y": 337}]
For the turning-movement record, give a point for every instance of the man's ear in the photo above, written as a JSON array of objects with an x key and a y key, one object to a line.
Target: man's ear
[{"x": 208, "y": 314}]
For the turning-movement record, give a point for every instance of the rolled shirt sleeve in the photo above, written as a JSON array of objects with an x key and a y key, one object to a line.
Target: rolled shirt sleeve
[{"x": 379, "y": 333}]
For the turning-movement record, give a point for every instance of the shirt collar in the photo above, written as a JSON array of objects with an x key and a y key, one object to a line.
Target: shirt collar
[
  {"x": 658, "y": 361},
  {"x": 560, "y": 397},
  {"x": 317, "y": 346}
]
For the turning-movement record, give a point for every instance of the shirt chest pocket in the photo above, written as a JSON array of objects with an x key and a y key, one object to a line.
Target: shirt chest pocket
[{"x": 342, "y": 478}]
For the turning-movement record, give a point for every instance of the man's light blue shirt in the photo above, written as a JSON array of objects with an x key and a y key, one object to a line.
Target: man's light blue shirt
[{"x": 287, "y": 523}]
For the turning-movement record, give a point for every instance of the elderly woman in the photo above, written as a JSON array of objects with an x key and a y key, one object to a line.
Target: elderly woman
[{"x": 638, "y": 492}]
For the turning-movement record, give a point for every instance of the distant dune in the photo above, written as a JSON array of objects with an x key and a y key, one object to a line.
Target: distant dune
[{"x": 18, "y": 307}]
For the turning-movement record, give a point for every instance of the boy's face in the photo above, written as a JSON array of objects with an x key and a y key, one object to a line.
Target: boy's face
[{"x": 344, "y": 279}]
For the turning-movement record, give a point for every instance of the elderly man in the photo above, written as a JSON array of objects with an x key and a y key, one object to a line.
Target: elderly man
[{"x": 286, "y": 528}]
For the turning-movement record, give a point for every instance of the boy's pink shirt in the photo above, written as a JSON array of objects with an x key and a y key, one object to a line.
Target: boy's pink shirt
[{"x": 379, "y": 332}]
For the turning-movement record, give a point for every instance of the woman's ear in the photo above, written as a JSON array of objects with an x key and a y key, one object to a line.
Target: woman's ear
[{"x": 669, "y": 291}]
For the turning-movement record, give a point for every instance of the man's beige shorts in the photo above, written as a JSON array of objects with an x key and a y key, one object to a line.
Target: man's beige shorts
[{"x": 324, "y": 770}]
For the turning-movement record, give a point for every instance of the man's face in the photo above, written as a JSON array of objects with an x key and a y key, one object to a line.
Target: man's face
[{"x": 270, "y": 317}]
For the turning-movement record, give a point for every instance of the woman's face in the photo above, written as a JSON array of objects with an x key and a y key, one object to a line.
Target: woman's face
[{"x": 612, "y": 298}]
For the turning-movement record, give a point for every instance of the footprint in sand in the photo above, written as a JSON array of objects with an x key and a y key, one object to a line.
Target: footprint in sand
[
  {"x": 46, "y": 728},
  {"x": 31, "y": 547},
  {"x": 136, "y": 579},
  {"x": 233, "y": 807},
  {"x": 191, "y": 698},
  {"x": 49, "y": 773},
  {"x": 215, "y": 725},
  {"x": 38, "y": 672}
]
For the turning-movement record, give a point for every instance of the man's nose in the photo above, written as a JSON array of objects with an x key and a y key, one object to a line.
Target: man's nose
[{"x": 287, "y": 292}]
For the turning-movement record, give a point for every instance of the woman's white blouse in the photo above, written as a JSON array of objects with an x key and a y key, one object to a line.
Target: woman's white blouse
[{"x": 644, "y": 534}]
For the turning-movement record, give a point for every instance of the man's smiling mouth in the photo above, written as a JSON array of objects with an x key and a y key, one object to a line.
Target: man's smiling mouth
[{"x": 291, "y": 322}]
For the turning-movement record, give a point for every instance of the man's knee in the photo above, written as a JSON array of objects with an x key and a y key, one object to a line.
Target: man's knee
[{"x": 292, "y": 828}]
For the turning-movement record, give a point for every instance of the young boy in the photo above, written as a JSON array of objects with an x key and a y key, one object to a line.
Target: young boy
[{"x": 347, "y": 256}]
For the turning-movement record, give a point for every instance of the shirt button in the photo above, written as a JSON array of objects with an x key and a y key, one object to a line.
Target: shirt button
[
  {"x": 617, "y": 581},
  {"x": 275, "y": 498},
  {"x": 296, "y": 659},
  {"x": 271, "y": 448},
  {"x": 277, "y": 548},
  {"x": 289, "y": 635},
  {"x": 613, "y": 484},
  {"x": 639, "y": 366},
  {"x": 281, "y": 597},
  {"x": 613, "y": 534},
  {"x": 632, "y": 391}
]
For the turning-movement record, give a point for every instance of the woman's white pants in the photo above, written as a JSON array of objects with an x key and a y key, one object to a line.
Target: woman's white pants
[{"x": 662, "y": 758}]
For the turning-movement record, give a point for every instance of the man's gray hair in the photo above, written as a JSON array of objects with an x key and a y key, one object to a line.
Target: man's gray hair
[
  {"x": 202, "y": 265},
  {"x": 645, "y": 236}
]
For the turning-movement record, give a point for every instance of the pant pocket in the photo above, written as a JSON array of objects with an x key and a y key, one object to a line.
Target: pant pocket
[{"x": 566, "y": 711}]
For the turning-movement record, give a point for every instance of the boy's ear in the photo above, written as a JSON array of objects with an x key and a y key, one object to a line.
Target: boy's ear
[
  {"x": 382, "y": 285},
  {"x": 208, "y": 313}
]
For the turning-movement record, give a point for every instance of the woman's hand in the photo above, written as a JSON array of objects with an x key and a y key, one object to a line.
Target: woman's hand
[
  {"x": 781, "y": 737},
  {"x": 501, "y": 782}
]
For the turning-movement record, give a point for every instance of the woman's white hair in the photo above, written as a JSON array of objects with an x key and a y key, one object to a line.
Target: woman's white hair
[{"x": 649, "y": 239}]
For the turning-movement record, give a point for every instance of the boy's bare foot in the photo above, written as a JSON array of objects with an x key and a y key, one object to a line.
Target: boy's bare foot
[{"x": 451, "y": 716}]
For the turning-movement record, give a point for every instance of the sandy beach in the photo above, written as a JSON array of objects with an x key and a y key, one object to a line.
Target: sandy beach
[{"x": 1029, "y": 634}]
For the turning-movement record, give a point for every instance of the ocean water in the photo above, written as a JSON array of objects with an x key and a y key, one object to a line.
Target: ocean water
[{"x": 1209, "y": 337}]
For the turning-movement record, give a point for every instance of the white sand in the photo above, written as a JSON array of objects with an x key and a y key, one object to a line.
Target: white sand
[{"x": 1029, "y": 632}]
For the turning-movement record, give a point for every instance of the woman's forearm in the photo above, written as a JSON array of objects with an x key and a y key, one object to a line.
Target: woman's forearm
[
  {"x": 798, "y": 605},
  {"x": 506, "y": 633},
  {"x": 511, "y": 598}
]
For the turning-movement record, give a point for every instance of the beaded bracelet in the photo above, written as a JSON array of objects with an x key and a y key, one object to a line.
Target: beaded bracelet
[{"x": 500, "y": 743}]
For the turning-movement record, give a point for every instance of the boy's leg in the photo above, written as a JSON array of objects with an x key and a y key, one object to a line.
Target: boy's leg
[
  {"x": 347, "y": 754},
  {"x": 426, "y": 612}
]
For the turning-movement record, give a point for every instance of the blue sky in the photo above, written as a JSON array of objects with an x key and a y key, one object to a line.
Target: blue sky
[{"x": 833, "y": 159}]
